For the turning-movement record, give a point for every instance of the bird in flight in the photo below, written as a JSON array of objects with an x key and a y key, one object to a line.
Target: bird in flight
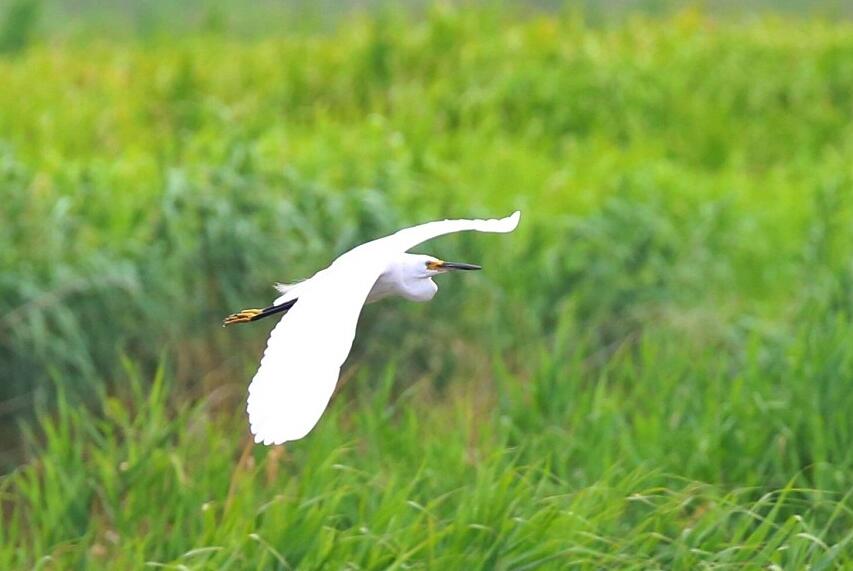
[{"x": 305, "y": 351}]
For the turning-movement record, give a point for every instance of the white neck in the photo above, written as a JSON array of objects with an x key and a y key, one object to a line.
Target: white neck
[{"x": 407, "y": 277}]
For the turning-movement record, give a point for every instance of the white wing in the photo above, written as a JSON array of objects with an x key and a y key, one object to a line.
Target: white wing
[
  {"x": 408, "y": 238},
  {"x": 305, "y": 351}
]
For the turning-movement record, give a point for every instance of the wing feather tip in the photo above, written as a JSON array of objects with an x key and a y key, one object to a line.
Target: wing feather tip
[
  {"x": 512, "y": 220},
  {"x": 269, "y": 440},
  {"x": 266, "y": 435}
]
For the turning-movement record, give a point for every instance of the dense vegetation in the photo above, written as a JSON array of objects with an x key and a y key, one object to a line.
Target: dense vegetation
[{"x": 653, "y": 371}]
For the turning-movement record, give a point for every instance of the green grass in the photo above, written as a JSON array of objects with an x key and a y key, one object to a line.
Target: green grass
[{"x": 653, "y": 372}]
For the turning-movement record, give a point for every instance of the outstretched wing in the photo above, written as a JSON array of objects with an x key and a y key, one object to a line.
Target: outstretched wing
[
  {"x": 408, "y": 238},
  {"x": 304, "y": 354},
  {"x": 305, "y": 351}
]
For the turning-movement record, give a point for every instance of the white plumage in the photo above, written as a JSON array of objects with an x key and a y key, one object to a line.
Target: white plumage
[{"x": 305, "y": 351}]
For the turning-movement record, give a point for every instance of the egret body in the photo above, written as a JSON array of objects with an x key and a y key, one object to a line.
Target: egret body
[{"x": 305, "y": 351}]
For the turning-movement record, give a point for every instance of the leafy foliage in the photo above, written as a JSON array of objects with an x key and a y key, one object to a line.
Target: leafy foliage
[
  {"x": 18, "y": 25},
  {"x": 653, "y": 372}
]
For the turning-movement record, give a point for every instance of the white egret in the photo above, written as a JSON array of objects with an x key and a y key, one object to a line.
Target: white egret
[{"x": 305, "y": 351}]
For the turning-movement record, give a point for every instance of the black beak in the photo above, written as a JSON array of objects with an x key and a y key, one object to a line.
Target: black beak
[{"x": 458, "y": 266}]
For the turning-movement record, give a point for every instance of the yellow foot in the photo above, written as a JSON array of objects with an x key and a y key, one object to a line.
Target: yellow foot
[{"x": 244, "y": 316}]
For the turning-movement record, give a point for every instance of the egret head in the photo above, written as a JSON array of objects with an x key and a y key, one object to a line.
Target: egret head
[{"x": 412, "y": 278}]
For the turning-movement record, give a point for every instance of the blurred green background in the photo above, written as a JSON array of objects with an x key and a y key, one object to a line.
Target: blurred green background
[{"x": 653, "y": 372}]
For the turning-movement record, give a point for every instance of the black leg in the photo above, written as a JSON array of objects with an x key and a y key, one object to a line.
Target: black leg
[{"x": 248, "y": 315}]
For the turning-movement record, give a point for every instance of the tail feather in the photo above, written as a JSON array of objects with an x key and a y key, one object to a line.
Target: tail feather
[{"x": 283, "y": 288}]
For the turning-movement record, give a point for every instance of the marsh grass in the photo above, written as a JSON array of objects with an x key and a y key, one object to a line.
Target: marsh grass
[{"x": 652, "y": 372}]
